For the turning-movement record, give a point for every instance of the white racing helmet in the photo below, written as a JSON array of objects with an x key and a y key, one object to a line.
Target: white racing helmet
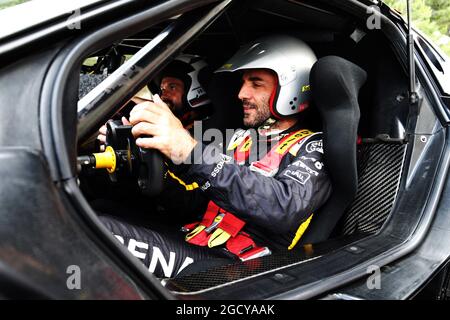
[
  {"x": 290, "y": 58},
  {"x": 187, "y": 67}
]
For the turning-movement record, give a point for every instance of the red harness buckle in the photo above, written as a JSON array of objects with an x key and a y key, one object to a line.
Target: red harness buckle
[
  {"x": 231, "y": 224},
  {"x": 239, "y": 243},
  {"x": 245, "y": 248}
]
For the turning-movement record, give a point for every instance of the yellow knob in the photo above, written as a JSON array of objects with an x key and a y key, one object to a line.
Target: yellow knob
[{"x": 106, "y": 159}]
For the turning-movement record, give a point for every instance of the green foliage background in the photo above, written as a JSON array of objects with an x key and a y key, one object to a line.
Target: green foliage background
[
  {"x": 432, "y": 17},
  {"x": 10, "y": 3}
]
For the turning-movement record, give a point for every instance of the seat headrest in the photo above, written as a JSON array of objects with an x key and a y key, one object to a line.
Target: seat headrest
[
  {"x": 334, "y": 81},
  {"x": 335, "y": 84}
]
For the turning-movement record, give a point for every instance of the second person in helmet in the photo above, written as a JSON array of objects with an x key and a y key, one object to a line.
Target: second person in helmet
[{"x": 181, "y": 89}]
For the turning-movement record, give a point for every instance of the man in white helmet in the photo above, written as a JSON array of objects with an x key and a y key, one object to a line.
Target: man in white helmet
[
  {"x": 181, "y": 90},
  {"x": 260, "y": 199}
]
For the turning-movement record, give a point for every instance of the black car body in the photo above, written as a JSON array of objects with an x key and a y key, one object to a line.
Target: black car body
[{"x": 397, "y": 228}]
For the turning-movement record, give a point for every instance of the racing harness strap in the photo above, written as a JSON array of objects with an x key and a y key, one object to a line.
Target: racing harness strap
[
  {"x": 219, "y": 226},
  {"x": 270, "y": 163}
]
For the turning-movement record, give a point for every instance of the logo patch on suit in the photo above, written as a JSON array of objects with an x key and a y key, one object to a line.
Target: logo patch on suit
[
  {"x": 297, "y": 175},
  {"x": 314, "y": 146}
]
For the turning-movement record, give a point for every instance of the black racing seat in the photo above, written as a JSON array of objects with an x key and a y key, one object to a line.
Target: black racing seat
[{"x": 335, "y": 84}]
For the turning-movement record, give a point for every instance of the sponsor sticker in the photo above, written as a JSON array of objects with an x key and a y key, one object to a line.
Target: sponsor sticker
[
  {"x": 301, "y": 164},
  {"x": 308, "y": 158},
  {"x": 297, "y": 175},
  {"x": 317, "y": 163},
  {"x": 205, "y": 186},
  {"x": 217, "y": 169},
  {"x": 314, "y": 146},
  {"x": 289, "y": 142},
  {"x": 237, "y": 139},
  {"x": 219, "y": 166}
]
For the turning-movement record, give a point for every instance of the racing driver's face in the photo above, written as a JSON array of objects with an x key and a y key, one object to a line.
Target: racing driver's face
[
  {"x": 257, "y": 87},
  {"x": 172, "y": 91}
]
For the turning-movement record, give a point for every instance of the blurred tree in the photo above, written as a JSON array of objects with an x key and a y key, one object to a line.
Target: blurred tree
[
  {"x": 432, "y": 17},
  {"x": 441, "y": 14},
  {"x": 9, "y": 3}
]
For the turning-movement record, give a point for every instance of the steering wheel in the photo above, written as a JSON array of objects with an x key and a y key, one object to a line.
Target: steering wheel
[{"x": 144, "y": 165}]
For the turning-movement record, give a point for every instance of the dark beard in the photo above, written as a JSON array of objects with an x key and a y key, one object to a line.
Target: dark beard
[
  {"x": 169, "y": 104},
  {"x": 262, "y": 114},
  {"x": 178, "y": 112}
]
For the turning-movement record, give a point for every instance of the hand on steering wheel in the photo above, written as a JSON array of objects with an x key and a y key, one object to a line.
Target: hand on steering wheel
[
  {"x": 103, "y": 131},
  {"x": 166, "y": 132}
]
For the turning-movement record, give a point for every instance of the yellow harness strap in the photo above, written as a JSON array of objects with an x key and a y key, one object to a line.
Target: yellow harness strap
[
  {"x": 189, "y": 187},
  {"x": 300, "y": 231},
  {"x": 195, "y": 232},
  {"x": 218, "y": 237}
]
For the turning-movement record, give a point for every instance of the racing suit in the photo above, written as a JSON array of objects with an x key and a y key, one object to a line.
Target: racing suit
[{"x": 273, "y": 207}]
